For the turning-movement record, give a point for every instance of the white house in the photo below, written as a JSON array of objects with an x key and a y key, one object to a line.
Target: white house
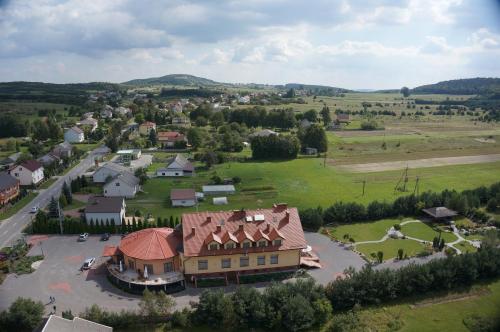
[
  {"x": 177, "y": 166},
  {"x": 90, "y": 123},
  {"x": 107, "y": 112},
  {"x": 183, "y": 197},
  {"x": 107, "y": 171},
  {"x": 28, "y": 173},
  {"x": 122, "y": 185},
  {"x": 99, "y": 209},
  {"x": 74, "y": 135}
]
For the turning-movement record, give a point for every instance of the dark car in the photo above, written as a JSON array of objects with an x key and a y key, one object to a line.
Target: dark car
[{"x": 105, "y": 237}]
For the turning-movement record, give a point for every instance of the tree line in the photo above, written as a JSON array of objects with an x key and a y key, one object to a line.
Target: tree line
[{"x": 466, "y": 203}]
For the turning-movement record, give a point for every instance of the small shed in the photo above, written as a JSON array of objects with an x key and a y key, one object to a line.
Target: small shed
[
  {"x": 227, "y": 189},
  {"x": 440, "y": 212},
  {"x": 183, "y": 197},
  {"x": 220, "y": 200}
]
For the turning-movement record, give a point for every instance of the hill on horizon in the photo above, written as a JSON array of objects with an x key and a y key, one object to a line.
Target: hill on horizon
[
  {"x": 465, "y": 86},
  {"x": 174, "y": 79}
]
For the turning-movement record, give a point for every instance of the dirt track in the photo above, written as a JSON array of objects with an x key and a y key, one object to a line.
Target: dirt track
[{"x": 420, "y": 163}]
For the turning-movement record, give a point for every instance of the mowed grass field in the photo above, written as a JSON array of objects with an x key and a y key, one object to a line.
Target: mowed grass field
[
  {"x": 307, "y": 182},
  {"x": 390, "y": 248},
  {"x": 425, "y": 232},
  {"x": 441, "y": 313}
]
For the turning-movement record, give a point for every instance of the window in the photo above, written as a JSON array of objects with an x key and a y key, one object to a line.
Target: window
[
  {"x": 261, "y": 260},
  {"x": 247, "y": 244},
  {"x": 150, "y": 268},
  {"x": 213, "y": 246},
  {"x": 16, "y": 174},
  {"x": 277, "y": 242},
  {"x": 131, "y": 264},
  {"x": 229, "y": 245},
  {"x": 262, "y": 243},
  {"x": 168, "y": 267},
  {"x": 202, "y": 264},
  {"x": 117, "y": 184},
  {"x": 226, "y": 263},
  {"x": 274, "y": 259},
  {"x": 244, "y": 261}
]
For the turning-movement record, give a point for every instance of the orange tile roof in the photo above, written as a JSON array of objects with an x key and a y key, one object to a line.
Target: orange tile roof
[
  {"x": 109, "y": 251},
  {"x": 170, "y": 136},
  {"x": 151, "y": 244},
  {"x": 278, "y": 221}
]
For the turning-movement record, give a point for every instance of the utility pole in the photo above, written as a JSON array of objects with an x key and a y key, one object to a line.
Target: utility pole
[
  {"x": 364, "y": 184},
  {"x": 60, "y": 217}
]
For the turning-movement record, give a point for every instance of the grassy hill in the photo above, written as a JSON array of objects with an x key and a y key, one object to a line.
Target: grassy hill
[
  {"x": 174, "y": 79},
  {"x": 468, "y": 86}
]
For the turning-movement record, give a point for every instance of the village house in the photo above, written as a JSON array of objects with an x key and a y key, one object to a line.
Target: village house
[
  {"x": 101, "y": 209},
  {"x": 177, "y": 166},
  {"x": 89, "y": 123},
  {"x": 107, "y": 171},
  {"x": 169, "y": 139},
  {"x": 74, "y": 135},
  {"x": 122, "y": 185},
  {"x": 107, "y": 112},
  {"x": 122, "y": 111},
  {"x": 146, "y": 127},
  {"x": 28, "y": 173},
  {"x": 9, "y": 188},
  {"x": 49, "y": 159},
  {"x": 77, "y": 324},
  {"x": 183, "y": 197},
  {"x": 10, "y": 160},
  {"x": 63, "y": 150}
]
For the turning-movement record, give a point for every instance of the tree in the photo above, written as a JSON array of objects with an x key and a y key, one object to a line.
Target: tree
[
  {"x": 112, "y": 143},
  {"x": 314, "y": 136},
  {"x": 217, "y": 119},
  {"x": 298, "y": 314},
  {"x": 275, "y": 147},
  {"x": 213, "y": 309},
  {"x": 67, "y": 193},
  {"x": 405, "y": 92},
  {"x": 325, "y": 115},
  {"x": 53, "y": 208},
  {"x": 492, "y": 205},
  {"x": 195, "y": 137},
  {"x": 156, "y": 304},
  {"x": 400, "y": 254},
  {"x": 311, "y": 219},
  {"x": 23, "y": 315},
  {"x": 141, "y": 174},
  {"x": 152, "y": 137},
  {"x": 380, "y": 256},
  {"x": 290, "y": 93},
  {"x": 311, "y": 115}
]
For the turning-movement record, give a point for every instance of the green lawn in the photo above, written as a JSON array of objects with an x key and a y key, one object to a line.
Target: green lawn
[
  {"x": 47, "y": 183},
  {"x": 307, "y": 182},
  {"x": 425, "y": 232},
  {"x": 18, "y": 206},
  {"x": 465, "y": 247},
  {"x": 76, "y": 204},
  {"x": 363, "y": 231},
  {"x": 440, "y": 315},
  {"x": 390, "y": 248}
]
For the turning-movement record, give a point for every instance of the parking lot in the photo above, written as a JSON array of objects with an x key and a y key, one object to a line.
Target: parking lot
[{"x": 59, "y": 275}]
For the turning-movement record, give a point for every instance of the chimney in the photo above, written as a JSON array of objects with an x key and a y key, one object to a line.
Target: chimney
[
  {"x": 268, "y": 227},
  {"x": 209, "y": 219},
  {"x": 219, "y": 228},
  {"x": 287, "y": 216},
  {"x": 96, "y": 161},
  {"x": 193, "y": 230},
  {"x": 240, "y": 228}
]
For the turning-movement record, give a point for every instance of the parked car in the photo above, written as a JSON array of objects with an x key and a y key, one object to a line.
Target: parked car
[
  {"x": 105, "y": 237},
  {"x": 34, "y": 209},
  {"x": 88, "y": 263},
  {"x": 83, "y": 237}
]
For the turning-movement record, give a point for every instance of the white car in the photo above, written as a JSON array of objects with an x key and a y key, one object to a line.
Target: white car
[
  {"x": 34, "y": 209},
  {"x": 88, "y": 263}
]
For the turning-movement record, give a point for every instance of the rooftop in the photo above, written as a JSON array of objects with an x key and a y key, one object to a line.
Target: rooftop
[
  {"x": 151, "y": 244},
  {"x": 218, "y": 187},
  {"x": 182, "y": 194},
  {"x": 278, "y": 221},
  {"x": 31, "y": 165},
  {"x": 100, "y": 204},
  {"x": 59, "y": 324},
  {"x": 7, "y": 181},
  {"x": 440, "y": 212}
]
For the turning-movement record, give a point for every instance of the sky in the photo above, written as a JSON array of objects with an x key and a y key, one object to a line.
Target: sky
[{"x": 351, "y": 44}]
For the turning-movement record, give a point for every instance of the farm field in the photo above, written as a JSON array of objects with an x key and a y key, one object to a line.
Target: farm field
[
  {"x": 441, "y": 313},
  {"x": 306, "y": 182}
]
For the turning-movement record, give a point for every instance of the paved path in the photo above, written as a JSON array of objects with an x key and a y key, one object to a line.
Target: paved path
[
  {"x": 420, "y": 163},
  {"x": 11, "y": 228}
]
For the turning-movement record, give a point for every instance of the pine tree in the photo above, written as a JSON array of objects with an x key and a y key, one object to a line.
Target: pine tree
[
  {"x": 113, "y": 226},
  {"x": 176, "y": 221},
  {"x": 140, "y": 224},
  {"x": 107, "y": 226},
  {"x": 62, "y": 201},
  {"x": 171, "y": 223},
  {"x": 53, "y": 208},
  {"x": 158, "y": 222},
  {"x": 67, "y": 193}
]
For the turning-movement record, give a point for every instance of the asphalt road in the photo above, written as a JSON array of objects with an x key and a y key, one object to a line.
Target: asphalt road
[{"x": 11, "y": 228}]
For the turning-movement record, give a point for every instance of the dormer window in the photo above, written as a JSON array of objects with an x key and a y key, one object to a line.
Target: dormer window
[
  {"x": 277, "y": 242},
  {"x": 262, "y": 243},
  {"x": 246, "y": 244},
  {"x": 229, "y": 245},
  {"x": 213, "y": 246}
]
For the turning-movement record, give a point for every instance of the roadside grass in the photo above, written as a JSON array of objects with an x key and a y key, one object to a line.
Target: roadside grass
[
  {"x": 87, "y": 146},
  {"x": 368, "y": 231},
  {"x": 23, "y": 264},
  {"x": 307, "y": 182},
  {"x": 18, "y": 206},
  {"x": 444, "y": 313},
  {"x": 426, "y": 232},
  {"x": 390, "y": 248},
  {"x": 473, "y": 237},
  {"x": 48, "y": 183}
]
